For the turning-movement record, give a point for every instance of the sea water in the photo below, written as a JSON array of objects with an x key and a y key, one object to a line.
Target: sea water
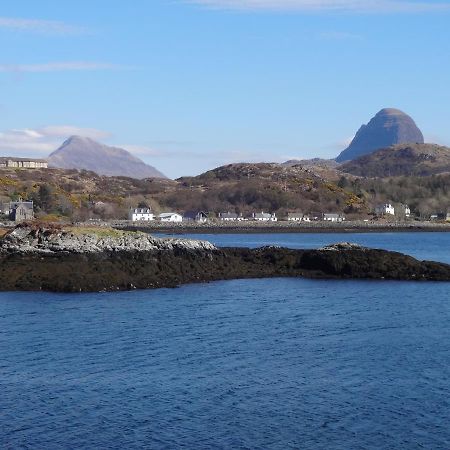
[{"x": 272, "y": 363}]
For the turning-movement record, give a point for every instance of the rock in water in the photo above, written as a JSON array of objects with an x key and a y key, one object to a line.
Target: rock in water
[
  {"x": 389, "y": 127},
  {"x": 84, "y": 153},
  {"x": 34, "y": 257}
]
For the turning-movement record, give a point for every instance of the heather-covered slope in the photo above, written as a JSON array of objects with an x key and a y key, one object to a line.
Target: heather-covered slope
[{"x": 401, "y": 160}]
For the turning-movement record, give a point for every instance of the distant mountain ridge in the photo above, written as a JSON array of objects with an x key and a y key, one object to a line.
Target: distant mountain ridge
[
  {"x": 79, "y": 152},
  {"x": 389, "y": 127},
  {"x": 401, "y": 160}
]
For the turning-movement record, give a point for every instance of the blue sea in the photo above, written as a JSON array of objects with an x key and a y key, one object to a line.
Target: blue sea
[{"x": 248, "y": 364}]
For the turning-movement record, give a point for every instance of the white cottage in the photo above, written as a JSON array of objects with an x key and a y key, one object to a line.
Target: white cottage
[
  {"x": 230, "y": 217},
  {"x": 140, "y": 214},
  {"x": 170, "y": 217},
  {"x": 295, "y": 217},
  {"x": 264, "y": 217},
  {"x": 386, "y": 208},
  {"x": 333, "y": 217}
]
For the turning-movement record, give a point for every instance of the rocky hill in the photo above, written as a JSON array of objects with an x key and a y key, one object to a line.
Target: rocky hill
[
  {"x": 389, "y": 127},
  {"x": 401, "y": 160},
  {"x": 84, "y": 153}
]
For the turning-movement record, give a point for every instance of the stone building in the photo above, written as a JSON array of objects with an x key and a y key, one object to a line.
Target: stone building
[
  {"x": 22, "y": 163},
  {"x": 20, "y": 211}
]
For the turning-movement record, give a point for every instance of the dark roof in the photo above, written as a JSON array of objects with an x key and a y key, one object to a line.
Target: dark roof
[
  {"x": 263, "y": 215},
  {"x": 228, "y": 215},
  {"x": 194, "y": 214},
  {"x": 15, "y": 205},
  {"x": 142, "y": 210}
]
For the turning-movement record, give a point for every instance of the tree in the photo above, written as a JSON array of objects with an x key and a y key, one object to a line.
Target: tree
[{"x": 45, "y": 197}]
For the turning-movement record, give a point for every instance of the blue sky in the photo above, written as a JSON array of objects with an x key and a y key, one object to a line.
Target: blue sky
[{"x": 190, "y": 85}]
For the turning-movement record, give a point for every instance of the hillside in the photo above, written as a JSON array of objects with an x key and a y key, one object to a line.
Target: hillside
[
  {"x": 401, "y": 160},
  {"x": 265, "y": 186},
  {"x": 82, "y": 195},
  {"x": 238, "y": 187},
  {"x": 84, "y": 153},
  {"x": 324, "y": 168},
  {"x": 389, "y": 127},
  {"x": 78, "y": 194}
]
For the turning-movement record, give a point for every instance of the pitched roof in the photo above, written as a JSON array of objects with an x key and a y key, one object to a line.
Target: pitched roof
[
  {"x": 228, "y": 215},
  {"x": 26, "y": 205}
]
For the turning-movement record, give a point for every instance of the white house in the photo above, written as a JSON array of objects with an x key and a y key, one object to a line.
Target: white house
[
  {"x": 295, "y": 217},
  {"x": 407, "y": 210},
  {"x": 386, "y": 208},
  {"x": 333, "y": 217},
  {"x": 170, "y": 217},
  {"x": 140, "y": 214},
  {"x": 230, "y": 217},
  {"x": 264, "y": 217}
]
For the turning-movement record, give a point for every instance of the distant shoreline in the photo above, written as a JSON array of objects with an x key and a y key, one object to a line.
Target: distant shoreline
[{"x": 284, "y": 227}]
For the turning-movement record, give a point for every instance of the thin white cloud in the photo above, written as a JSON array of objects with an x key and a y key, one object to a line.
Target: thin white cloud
[
  {"x": 59, "y": 67},
  {"x": 355, "y": 6},
  {"x": 42, "y": 141},
  {"x": 39, "y": 26}
]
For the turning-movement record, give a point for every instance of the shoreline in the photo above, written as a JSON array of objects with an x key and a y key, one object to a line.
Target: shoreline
[{"x": 283, "y": 227}]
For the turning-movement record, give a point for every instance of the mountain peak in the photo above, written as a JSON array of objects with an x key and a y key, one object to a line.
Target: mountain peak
[
  {"x": 81, "y": 152},
  {"x": 78, "y": 138},
  {"x": 388, "y": 127},
  {"x": 391, "y": 112}
]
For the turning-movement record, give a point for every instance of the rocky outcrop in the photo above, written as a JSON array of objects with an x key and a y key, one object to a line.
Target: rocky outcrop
[
  {"x": 79, "y": 152},
  {"x": 28, "y": 238},
  {"x": 389, "y": 127},
  {"x": 58, "y": 260}
]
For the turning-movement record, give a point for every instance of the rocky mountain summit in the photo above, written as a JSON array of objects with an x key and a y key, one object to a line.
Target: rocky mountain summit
[
  {"x": 401, "y": 160},
  {"x": 389, "y": 127},
  {"x": 79, "y": 152}
]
